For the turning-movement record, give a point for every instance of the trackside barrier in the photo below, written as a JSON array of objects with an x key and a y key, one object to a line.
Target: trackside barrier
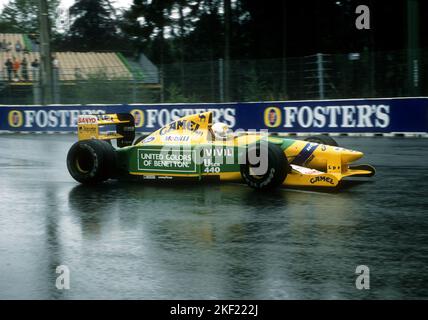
[{"x": 389, "y": 116}]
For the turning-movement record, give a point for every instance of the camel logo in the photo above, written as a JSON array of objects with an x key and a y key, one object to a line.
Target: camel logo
[
  {"x": 15, "y": 119},
  {"x": 272, "y": 117},
  {"x": 138, "y": 117}
]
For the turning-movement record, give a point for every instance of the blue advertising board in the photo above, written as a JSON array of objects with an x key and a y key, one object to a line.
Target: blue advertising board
[{"x": 335, "y": 116}]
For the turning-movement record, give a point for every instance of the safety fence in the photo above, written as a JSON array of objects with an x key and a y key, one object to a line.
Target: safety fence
[
  {"x": 388, "y": 115},
  {"x": 319, "y": 76}
]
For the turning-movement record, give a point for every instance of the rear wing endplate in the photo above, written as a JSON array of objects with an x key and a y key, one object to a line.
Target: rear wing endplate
[{"x": 90, "y": 127}]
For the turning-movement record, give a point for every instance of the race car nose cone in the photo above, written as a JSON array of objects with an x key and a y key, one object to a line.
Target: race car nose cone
[{"x": 351, "y": 155}]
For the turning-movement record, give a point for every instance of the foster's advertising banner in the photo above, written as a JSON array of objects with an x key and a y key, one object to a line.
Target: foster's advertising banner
[{"x": 347, "y": 116}]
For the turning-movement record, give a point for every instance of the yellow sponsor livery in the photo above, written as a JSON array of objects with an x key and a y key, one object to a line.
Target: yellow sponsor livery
[
  {"x": 272, "y": 117},
  {"x": 15, "y": 118}
]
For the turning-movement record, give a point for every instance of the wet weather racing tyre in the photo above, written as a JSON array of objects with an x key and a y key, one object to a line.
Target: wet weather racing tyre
[
  {"x": 91, "y": 161},
  {"x": 322, "y": 139},
  {"x": 275, "y": 170}
]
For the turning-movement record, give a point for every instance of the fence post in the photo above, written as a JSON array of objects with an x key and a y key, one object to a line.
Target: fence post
[
  {"x": 134, "y": 90},
  {"x": 320, "y": 69},
  {"x": 36, "y": 86},
  {"x": 221, "y": 79},
  {"x": 162, "y": 84},
  {"x": 284, "y": 93},
  {"x": 55, "y": 85},
  {"x": 45, "y": 53},
  {"x": 413, "y": 44},
  {"x": 212, "y": 80}
]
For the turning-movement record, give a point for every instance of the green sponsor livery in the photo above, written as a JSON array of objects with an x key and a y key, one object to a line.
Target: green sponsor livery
[
  {"x": 170, "y": 159},
  {"x": 166, "y": 160}
]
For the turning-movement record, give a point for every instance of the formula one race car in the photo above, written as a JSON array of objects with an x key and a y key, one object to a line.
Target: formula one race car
[{"x": 194, "y": 147}]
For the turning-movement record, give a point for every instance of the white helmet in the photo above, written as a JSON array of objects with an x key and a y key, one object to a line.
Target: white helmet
[{"x": 221, "y": 131}]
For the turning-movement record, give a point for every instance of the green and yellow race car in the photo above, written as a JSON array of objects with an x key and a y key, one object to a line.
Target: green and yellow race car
[{"x": 194, "y": 147}]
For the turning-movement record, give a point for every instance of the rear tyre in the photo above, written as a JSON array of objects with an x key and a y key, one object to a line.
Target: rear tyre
[
  {"x": 91, "y": 161},
  {"x": 273, "y": 161},
  {"x": 322, "y": 139}
]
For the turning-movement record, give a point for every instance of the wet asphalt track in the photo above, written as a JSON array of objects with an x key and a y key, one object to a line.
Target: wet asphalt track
[{"x": 133, "y": 241}]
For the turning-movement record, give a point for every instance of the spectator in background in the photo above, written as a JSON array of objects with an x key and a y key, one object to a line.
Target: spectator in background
[
  {"x": 18, "y": 46},
  {"x": 55, "y": 62},
  {"x": 24, "y": 69},
  {"x": 9, "y": 68},
  {"x": 36, "y": 45},
  {"x": 9, "y": 47},
  {"x": 16, "y": 66},
  {"x": 78, "y": 73},
  {"x": 4, "y": 45},
  {"x": 35, "y": 65},
  {"x": 55, "y": 65}
]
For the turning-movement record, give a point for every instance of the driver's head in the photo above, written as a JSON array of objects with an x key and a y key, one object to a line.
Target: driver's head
[{"x": 221, "y": 131}]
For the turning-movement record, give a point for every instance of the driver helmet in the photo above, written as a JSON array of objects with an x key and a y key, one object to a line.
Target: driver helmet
[{"x": 221, "y": 131}]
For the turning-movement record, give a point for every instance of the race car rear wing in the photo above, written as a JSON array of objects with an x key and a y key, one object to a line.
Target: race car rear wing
[{"x": 93, "y": 127}]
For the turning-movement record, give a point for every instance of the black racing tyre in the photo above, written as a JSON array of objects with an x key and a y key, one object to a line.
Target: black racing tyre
[
  {"x": 139, "y": 139},
  {"x": 91, "y": 161},
  {"x": 110, "y": 163},
  {"x": 322, "y": 139},
  {"x": 277, "y": 167}
]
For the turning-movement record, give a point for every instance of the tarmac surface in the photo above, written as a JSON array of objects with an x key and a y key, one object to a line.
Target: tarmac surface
[{"x": 219, "y": 241}]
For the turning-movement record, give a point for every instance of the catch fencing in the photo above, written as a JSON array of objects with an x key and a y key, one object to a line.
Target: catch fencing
[{"x": 319, "y": 76}]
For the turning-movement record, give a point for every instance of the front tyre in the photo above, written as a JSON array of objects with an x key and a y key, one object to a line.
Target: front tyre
[
  {"x": 265, "y": 167},
  {"x": 91, "y": 161}
]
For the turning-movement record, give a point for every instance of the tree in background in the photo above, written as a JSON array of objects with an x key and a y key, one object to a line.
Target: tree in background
[
  {"x": 147, "y": 23},
  {"x": 179, "y": 30},
  {"x": 21, "y": 16},
  {"x": 204, "y": 20},
  {"x": 93, "y": 27}
]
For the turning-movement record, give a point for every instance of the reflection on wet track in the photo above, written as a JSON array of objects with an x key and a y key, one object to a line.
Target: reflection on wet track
[{"x": 219, "y": 241}]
